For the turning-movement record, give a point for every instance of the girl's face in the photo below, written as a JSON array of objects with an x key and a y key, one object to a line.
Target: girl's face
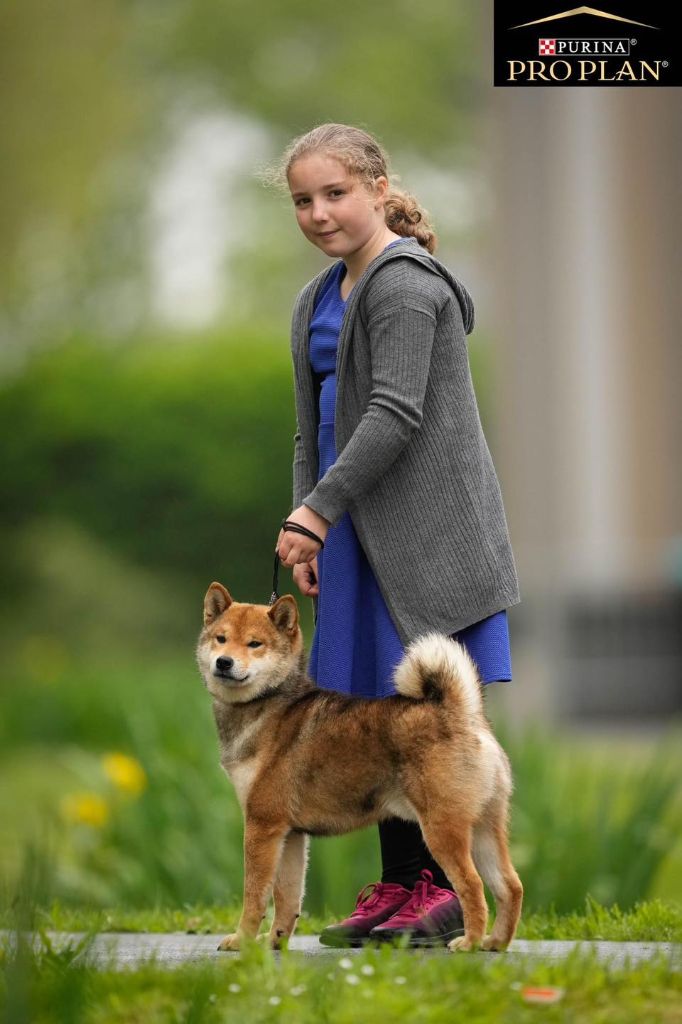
[{"x": 334, "y": 210}]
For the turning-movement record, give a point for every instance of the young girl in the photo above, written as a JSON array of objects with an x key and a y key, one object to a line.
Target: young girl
[{"x": 392, "y": 472}]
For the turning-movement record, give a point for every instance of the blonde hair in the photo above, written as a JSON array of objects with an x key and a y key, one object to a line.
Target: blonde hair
[{"x": 364, "y": 158}]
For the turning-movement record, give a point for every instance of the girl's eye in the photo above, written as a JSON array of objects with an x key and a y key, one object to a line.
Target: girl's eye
[
  {"x": 334, "y": 192},
  {"x": 254, "y": 643},
  {"x": 220, "y": 639}
]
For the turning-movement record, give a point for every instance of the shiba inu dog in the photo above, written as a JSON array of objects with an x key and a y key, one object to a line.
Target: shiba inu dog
[{"x": 306, "y": 761}]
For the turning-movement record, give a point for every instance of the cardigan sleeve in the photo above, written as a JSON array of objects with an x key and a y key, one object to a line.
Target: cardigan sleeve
[
  {"x": 303, "y": 479},
  {"x": 401, "y": 336}
]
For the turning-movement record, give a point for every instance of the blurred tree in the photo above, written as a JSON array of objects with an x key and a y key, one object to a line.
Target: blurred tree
[
  {"x": 73, "y": 118},
  {"x": 88, "y": 94},
  {"x": 408, "y": 69}
]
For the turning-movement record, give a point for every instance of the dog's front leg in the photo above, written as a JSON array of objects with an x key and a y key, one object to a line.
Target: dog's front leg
[
  {"x": 289, "y": 886},
  {"x": 262, "y": 850}
]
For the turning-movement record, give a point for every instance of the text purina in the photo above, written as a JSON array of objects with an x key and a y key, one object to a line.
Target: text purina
[
  {"x": 592, "y": 47},
  {"x": 582, "y": 70}
]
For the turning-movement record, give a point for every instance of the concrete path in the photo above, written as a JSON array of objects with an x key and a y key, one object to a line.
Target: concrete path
[{"x": 124, "y": 949}]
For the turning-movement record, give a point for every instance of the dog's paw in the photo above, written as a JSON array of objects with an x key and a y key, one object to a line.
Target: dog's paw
[
  {"x": 463, "y": 944},
  {"x": 230, "y": 942},
  {"x": 493, "y": 945},
  {"x": 277, "y": 939}
]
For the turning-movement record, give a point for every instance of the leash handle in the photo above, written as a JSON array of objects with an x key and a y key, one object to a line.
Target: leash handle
[{"x": 289, "y": 526}]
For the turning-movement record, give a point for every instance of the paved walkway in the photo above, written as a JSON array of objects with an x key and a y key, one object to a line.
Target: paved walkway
[{"x": 125, "y": 949}]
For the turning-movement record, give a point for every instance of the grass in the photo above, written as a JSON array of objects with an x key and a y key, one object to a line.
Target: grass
[
  {"x": 59, "y": 984},
  {"x": 648, "y": 921},
  {"x": 592, "y": 835},
  {"x": 381, "y": 984}
]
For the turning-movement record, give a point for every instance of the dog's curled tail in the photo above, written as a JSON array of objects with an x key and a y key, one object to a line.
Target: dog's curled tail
[{"x": 436, "y": 667}]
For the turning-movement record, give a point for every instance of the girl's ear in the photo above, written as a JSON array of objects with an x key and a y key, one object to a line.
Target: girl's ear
[{"x": 380, "y": 189}]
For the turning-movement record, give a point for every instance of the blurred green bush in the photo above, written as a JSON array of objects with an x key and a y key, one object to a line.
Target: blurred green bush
[
  {"x": 133, "y": 475},
  {"x": 161, "y": 449}
]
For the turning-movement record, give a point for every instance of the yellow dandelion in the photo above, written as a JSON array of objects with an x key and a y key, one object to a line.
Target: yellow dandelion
[
  {"x": 85, "y": 809},
  {"x": 126, "y": 773}
]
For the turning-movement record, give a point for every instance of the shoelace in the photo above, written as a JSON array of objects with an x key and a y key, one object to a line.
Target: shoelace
[
  {"x": 368, "y": 898},
  {"x": 422, "y": 894}
]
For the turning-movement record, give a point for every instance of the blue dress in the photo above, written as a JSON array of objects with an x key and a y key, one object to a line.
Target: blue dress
[{"x": 355, "y": 646}]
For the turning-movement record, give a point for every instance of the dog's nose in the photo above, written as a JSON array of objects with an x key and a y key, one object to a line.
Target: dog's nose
[{"x": 224, "y": 664}]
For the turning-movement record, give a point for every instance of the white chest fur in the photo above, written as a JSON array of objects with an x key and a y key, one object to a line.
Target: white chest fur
[{"x": 242, "y": 774}]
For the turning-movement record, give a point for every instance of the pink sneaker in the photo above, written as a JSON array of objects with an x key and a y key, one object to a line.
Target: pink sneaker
[
  {"x": 431, "y": 916},
  {"x": 377, "y": 902}
]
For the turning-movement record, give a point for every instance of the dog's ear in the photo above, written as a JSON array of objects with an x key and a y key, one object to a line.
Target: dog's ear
[
  {"x": 216, "y": 601},
  {"x": 284, "y": 613}
]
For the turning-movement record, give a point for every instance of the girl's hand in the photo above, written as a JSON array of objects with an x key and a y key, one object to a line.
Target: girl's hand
[
  {"x": 305, "y": 578},
  {"x": 295, "y": 548}
]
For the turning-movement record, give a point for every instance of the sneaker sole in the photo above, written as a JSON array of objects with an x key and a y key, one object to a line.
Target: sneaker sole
[
  {"x": 339, "y": 942},
  {"x": 420, "y": 940}
]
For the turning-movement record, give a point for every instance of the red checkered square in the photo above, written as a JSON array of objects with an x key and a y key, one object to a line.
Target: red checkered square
[{"x": 547, "y": 46}]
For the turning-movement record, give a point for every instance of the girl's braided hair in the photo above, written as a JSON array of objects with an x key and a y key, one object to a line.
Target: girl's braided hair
[{"x": 364, "y": 158}]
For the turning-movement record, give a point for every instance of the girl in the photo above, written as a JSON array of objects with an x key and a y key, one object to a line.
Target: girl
[{"x": 391, "y": 472}]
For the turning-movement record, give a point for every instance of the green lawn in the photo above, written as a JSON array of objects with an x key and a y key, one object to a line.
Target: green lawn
[
  {"x": 648, "y": 921},
  {"x": 381, "y": 984}
]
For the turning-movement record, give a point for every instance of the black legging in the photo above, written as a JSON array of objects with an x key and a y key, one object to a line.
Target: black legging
[{"x": 404, "y": 854}]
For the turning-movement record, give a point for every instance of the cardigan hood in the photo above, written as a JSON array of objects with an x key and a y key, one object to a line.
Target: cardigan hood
[
  {"x": 407, "y": 246},
  {"x": 465, "y": 300}
]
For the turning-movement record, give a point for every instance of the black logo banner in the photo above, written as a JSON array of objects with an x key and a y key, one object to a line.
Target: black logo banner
[{"x": 609, "y": 43}]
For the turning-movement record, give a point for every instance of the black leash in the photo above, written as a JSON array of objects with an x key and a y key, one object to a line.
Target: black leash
[{"x": 289, "y": 525}]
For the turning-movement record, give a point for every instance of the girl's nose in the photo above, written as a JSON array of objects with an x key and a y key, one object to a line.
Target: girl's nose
[{"x": 319, "y": 213}]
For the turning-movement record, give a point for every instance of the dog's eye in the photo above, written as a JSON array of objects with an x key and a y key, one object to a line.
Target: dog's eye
[
  {"x": 220, "y": 639},
  {"x": 254, "y": 643}
]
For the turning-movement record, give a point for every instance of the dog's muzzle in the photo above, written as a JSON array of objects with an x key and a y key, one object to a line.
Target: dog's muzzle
[{"x": 223, "y": 670}]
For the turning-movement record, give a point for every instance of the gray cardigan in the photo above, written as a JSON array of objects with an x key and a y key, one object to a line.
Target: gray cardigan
[{"x": 413, "y": 468}]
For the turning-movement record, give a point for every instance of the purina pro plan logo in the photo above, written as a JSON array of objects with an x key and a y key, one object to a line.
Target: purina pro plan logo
[{"x": 544, "y": 44}]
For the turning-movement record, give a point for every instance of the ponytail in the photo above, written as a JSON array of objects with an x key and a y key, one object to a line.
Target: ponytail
[{"x": 406, "y": 217}]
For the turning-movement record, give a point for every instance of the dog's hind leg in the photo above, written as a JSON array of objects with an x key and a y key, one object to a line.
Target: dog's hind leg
[
  {"x": 449, "y": 840},
  {"x": 289, "y": 887},
  {"x": 262, "y": 849},
  {"x": 491, "y": 856}
]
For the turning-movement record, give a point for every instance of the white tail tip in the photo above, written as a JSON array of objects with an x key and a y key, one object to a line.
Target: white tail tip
[{"x": 437, "y": 667}]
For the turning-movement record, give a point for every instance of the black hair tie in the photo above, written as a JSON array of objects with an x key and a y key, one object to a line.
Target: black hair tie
[{"x": 289, "y": 526}]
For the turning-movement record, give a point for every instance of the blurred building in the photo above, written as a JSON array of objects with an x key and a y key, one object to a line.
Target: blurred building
[{"x": 585, "y": 241}]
